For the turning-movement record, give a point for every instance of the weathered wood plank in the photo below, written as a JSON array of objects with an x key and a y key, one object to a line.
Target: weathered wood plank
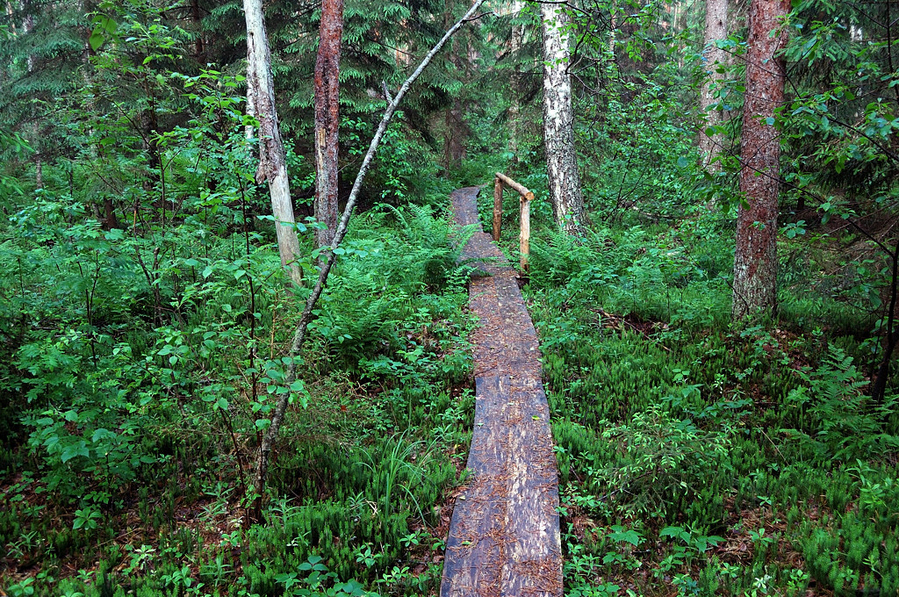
[{"x": 504, "y": 535}]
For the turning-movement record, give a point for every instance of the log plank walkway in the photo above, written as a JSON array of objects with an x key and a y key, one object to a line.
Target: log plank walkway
[{"x": 504, "y": 534}]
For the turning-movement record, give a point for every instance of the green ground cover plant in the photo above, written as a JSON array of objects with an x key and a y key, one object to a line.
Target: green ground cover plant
[
  {"x": 145, "y": 318},
  {"x": 135, "y": 399},
  {"x": 720, "y": 459}
]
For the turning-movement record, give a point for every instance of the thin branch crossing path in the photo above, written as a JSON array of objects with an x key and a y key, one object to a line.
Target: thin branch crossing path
[{"x": 504, "y": 535}]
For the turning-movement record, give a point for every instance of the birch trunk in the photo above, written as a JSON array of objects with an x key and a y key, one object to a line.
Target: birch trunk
[
  {"x": 327, "y": 119},
  {"x": 712, "y": 58},
  {"x": 558, "y": 122},
  {"x": 755, "y": 264},
  {"x": 272, "y": 158}
]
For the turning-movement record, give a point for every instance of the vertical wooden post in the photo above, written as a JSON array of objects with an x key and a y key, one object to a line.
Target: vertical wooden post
[
  {"x": 525, "y": 238},
  {"x": 497, "y": 207}
]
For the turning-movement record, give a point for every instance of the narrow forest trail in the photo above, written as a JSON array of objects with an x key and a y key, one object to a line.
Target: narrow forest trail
[{"x": 504, "y": 535}]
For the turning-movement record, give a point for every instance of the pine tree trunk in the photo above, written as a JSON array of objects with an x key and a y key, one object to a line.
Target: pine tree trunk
[
  {"x": 712, "y": 59},
  {"x": 455, "y": 136},
  {"x": 327, "y": 119},
  {"x": 755, "y": 265},
  {"x": 272, "y": 158},
  {"x": 456, "y": 132},
  {"x": 558, "y": 122},
  {"x": 515, "y": 44},
  {"x": 197, "y": 18}
]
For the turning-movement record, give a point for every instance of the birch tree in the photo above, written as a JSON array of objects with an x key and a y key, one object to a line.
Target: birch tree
[
  {"x": 558, "y": 121},
  {"x": 272, "y": 158},
  {"x": 713, "y": 58},
  {"x": 327, "y": 119},
  {"x": 755, "y": 264}
]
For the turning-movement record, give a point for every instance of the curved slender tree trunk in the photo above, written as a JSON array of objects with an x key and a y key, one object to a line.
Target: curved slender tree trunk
[
  {"x": 327, "y": 119},
  {"x": 558, "y": 122},
  {"x": 755, "y": 264},
  {"x": 272, "y": 158},
  {"x": 712, "y": 59}
]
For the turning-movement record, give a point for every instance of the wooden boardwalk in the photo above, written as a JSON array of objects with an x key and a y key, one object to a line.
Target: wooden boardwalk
[{"x": 504, "y": 535}]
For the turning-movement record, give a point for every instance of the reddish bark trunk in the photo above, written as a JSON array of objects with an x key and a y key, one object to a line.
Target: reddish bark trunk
[
  {"x": 327, "y": 119},
  {"x": 755, "y": 265},
  {"x": 456, "y": 135},
  {"x": 197, "y": 19}
]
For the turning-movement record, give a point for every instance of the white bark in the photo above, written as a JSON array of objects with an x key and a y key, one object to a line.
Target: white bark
[
  {"x": 558, "y": 122},
  {"x": 250, "y": 130},
  {"x": 272, "y": 158},
  {"x": 712, "y": 59}
]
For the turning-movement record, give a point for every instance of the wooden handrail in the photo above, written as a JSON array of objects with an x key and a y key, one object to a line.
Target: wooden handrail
[
  {"x": 522, "y": 190},
  {"x": 527, "y": 196}
]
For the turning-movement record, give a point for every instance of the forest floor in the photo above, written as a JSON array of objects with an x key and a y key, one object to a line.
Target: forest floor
[{"x": 695, "y": 456}]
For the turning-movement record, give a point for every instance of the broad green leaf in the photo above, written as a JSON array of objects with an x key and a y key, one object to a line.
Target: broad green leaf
[
  {"x": 101, "y": 434},
  {"x": 74, "y": 450},
  {"x": 96, "y": 39},
  {"x": 630, "y": 536}
]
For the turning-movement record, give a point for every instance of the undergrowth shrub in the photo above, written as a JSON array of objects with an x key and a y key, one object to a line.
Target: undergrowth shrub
[
  {"x": 650, "y": 466},
  {"x": 674, "y": 427},
  {"x": 833, "y": 417},
  {"x": 636, "y": 270},
  {"x": 395, "y": 299},
  {"x": 143, "y": 389}
]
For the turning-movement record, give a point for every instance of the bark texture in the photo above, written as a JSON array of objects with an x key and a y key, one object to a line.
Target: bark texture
[
  {"x": 456, "y": 135},
  {"x": 515, "y": 90},
  {"x": 755, "y": 264},
  {"x": 558, "y": 122},
  {"x": 327, "y": 119},
  {"x": 456, "y": 131},
  {"x": 272, "y": 158},
  {"x": 712, "y": 58}
]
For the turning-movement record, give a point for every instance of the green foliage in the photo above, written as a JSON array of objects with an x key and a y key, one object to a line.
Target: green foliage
[
  {"x": 626, "y": 269},
  {"x": 673, "y": 429},
  {"x": 143, "y": 360},
  {"x": 143, "y": 314},
  {"x": 835, "y": 419},
  {"x": 393, "y": 307},
  {"x": 646, "y": 153}
]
